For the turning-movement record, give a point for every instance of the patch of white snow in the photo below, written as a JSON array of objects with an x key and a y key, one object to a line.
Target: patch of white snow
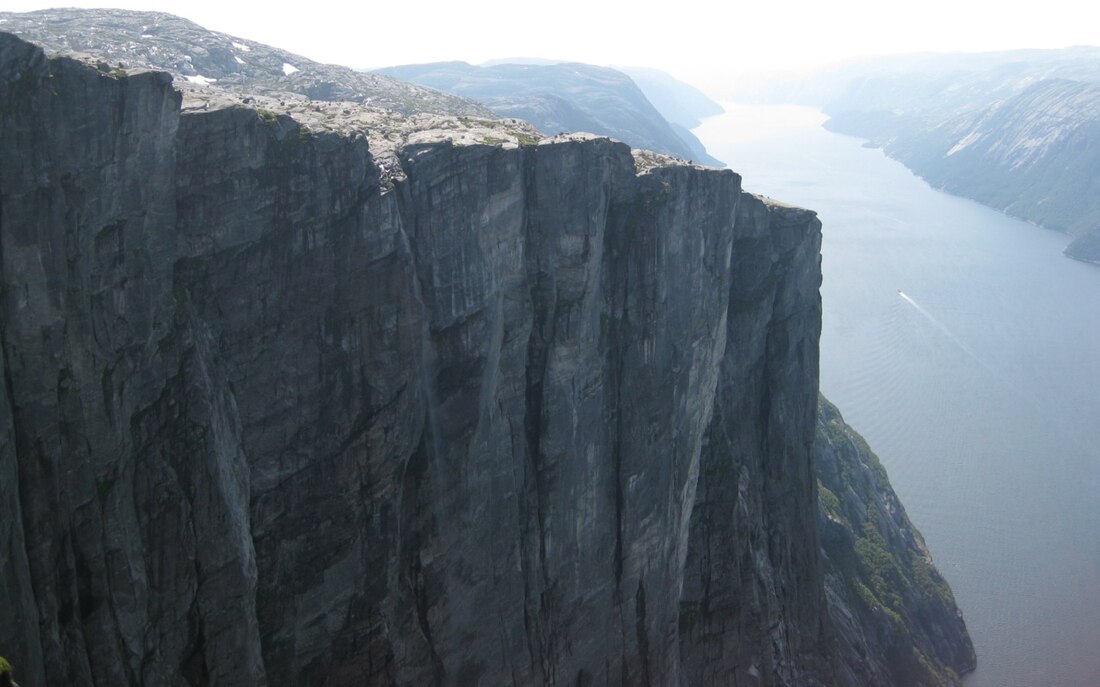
[
  {"x": 970, "y": 138},
  {"x": 242, "y": 47},
  {"x": 200, "y": 80},
  {"x": 289, "y": 69},
  {"x": 239, "y": 60}
]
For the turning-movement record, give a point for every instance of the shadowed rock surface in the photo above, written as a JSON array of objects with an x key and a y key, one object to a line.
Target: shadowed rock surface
[{"x": 507, "y": 414}]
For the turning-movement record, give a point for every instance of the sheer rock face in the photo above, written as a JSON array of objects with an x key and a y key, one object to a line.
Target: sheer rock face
[{"x": 518, "y": 415}]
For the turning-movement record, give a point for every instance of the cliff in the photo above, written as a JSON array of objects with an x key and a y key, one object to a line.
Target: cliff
[{"x": 272, "y": 411}]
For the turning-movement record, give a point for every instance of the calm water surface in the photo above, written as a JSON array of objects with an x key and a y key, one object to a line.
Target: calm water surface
[{"x": 966, "y": 349}]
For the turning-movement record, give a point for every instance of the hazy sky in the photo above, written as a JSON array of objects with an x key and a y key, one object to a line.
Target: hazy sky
[{"x": 690, "y": 38}]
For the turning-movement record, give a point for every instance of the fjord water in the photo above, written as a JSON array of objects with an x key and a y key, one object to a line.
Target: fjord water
[{"x": 966, "y": 349}]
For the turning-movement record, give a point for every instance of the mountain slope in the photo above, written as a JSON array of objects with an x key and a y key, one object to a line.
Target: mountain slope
[
  {"x": 1017, "y": 131},
  {"x": 155, "y": 40},
  {"x": 678, "y": 102},
  {"x": 937, "y": 86},
  {"x": 559, "y": 97},
  {"x": 1035, "y": 155},
  {"x": 683, "y": 105},
  {"x": 895, "y": 615}
]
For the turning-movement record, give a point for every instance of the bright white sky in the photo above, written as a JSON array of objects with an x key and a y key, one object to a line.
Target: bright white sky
[{"x": 711, "y": 44}]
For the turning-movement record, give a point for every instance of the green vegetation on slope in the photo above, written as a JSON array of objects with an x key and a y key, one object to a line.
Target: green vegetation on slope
[{"x": 879, "y": 571}]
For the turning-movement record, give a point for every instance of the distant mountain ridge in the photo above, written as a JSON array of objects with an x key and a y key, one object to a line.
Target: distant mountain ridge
[
  {"x": 1018, "y": 131},
  {"x": 681, "y": 103},
  {"x": 568, "y": 96},
  {"x": 1033, "y": 155},
  {"x": 933, "y": 84}
]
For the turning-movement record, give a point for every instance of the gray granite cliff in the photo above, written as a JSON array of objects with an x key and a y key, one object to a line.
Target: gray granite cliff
[{"x": 493, "y": 414}]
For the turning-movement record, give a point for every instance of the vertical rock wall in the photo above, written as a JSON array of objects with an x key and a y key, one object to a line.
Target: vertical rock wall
[{"x": 523, "y": 417}]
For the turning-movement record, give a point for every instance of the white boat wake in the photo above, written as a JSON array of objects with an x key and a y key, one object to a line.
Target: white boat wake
[{"x": 945, "y": 331}]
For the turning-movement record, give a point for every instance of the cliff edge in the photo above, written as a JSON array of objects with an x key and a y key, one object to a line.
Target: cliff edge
[{"x": 498, "y": 414}]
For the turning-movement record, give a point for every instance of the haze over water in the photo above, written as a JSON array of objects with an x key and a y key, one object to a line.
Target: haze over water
[{"x": 964, "y": 347}]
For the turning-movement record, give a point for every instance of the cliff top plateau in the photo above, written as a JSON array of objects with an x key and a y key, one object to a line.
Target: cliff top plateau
[{"x": 215, "y": 71}]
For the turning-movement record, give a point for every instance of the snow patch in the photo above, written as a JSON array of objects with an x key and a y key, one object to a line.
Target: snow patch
[
  {"x": 289, "y": 69},
  {"x": 242, "y": 47},
  {"x": 967, "y": 140},
  {"x": 239, "y": 60},
  {"x": 200, "y": 80}
]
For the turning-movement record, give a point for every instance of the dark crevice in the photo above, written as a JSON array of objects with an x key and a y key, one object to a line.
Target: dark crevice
[
  {"x": 617, "y": 471},
  {"x": 416, "y": 574},
  {"x": 618, "y": 348},
  {"x": 643, "y": 635},
  {"x": 193, "y": 667},
  {"x": 411, "y": 542},
  {"x": 618, "y": 340},
  {"x": 537, "y": 354}
]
